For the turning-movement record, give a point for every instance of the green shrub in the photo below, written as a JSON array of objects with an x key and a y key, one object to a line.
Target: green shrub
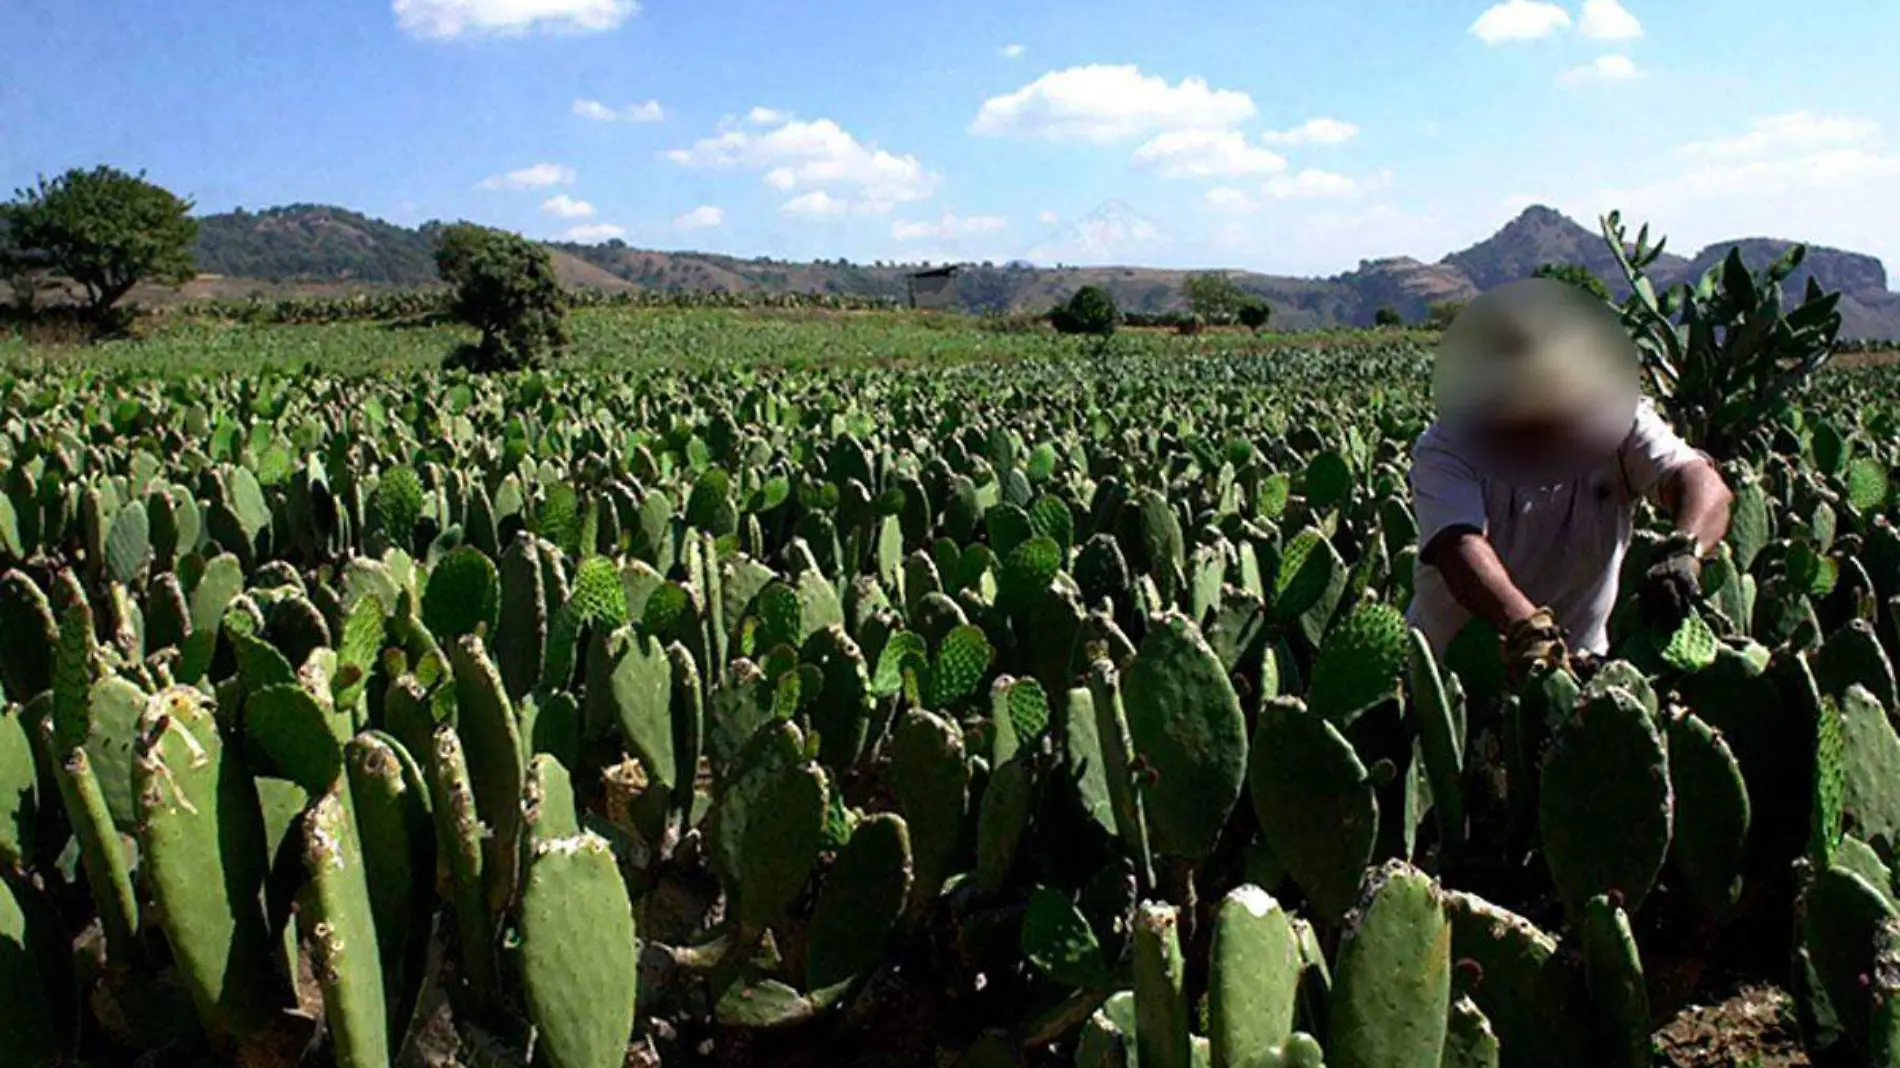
[
  {"x": 1090, "y": 311},
  {"x": 1255, "y": 313},
  {"x": 1388, "y": 316},
  {"x": 505, "y": 286}
]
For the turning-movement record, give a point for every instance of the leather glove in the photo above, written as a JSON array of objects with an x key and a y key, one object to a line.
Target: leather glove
[
  {"x": 1533, "y": 640},
  {"x": 1672, "y": 585}
]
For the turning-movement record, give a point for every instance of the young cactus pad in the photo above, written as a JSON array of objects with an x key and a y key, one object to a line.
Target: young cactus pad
[
  {"x": 578, "y": 953},
  {"x": 1392, "y": 981},
  {"x": 1190, "y": 736}
]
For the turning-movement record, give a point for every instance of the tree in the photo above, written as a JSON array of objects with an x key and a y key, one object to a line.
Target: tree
[
  {"x": 1439, "y": 316},
  {"x": 1388, "y": 316},
  {"x": 1090, "y": 311},
  {"x": 1575, "y": 275},
  {"x": 505, "y": 286},
  {"x": 1213, "y": 296},
  {"x": 104, "y": 229},
  {"x": 1255, "y": 313}
]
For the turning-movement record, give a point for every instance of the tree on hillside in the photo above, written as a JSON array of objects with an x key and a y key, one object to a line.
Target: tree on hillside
[
  {"x": 1255, "y": 313},
  {"x": 1387, "y": 316},
  {"x": 1577, "y": 276},
  {"x": 1090, "y": 311},
  {"x": 104, "y": 229},
  {"x": 505, "y": 286},
  {"x": 1439, "y": 316},
  {"x": 1213, "y": 296}
]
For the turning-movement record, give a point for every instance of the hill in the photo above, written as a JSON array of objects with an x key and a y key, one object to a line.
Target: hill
[{"x": 305, "y": 247}]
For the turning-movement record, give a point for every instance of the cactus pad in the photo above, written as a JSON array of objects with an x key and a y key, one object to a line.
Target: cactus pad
[
  {"x": 1359, "y": 663},
  {"x": 1189, "y": 733},
  {"x": 340, "y": 927},
  {"x": 931, "y": 780},
  {"x": 463, "y": 595},
  {"x": 1712, "y": 812},
  {"x": 1392, "y": 982},
  {"x": 578, "y": 953},
  {"x": 1315, "y": 803},
  {"x": 1254, "y": 978},
  {"x": 864, "y": 894},
  {"x": 1162, "y": 1029},
  {"x": 1870, "y": 761},
  {"x": 1606, "y": 808}
]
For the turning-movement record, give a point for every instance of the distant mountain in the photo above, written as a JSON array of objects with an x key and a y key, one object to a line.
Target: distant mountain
[{"x": 309, "y": 247}]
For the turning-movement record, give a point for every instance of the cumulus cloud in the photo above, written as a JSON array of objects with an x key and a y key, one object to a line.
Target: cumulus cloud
[
  {"x": 1012, "y": 51},
  {"x": 651, "y": 111},
  {"x": 816, "y": 204},
  {"x": 1206, "y": 154},
  {"x": 816, "y": 156},
  {"x": 1519, "y": 20},
  {"x": 949, "y": 228},
  {"x": 1313, "y": 184},
  {"x": 539, "y": 176},
  {"x": 567, "y": 207},
  {"x": 1313, "y": 132},
  {"x": 456, "y": 18},
  {"x": 593, "y": 232},
  {"x": 768, "y": 117},
  {"x": 1047, "y": 218},
  {"x": 1107, "y": 104},
  {"x": 1227, "y": 199},
  {"x": 1603, "y": 69},
  {"x": 1607, "y": 20},
  {"x": 704, "y": 217},
  {"x": 1792, "y": 132}
]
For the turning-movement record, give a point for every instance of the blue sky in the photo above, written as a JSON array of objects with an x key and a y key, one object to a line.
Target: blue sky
[{"x": 1286, "y": 137}]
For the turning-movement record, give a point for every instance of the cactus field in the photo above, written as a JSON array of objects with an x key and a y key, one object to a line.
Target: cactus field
[{"x": 1055, "y": 709}]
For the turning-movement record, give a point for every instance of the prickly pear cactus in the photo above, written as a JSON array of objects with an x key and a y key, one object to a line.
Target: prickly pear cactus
[
  {"x": 864, "y": 895},
  {"x": 1254, "y": 978},
  {"x": 1534, "y": 996},
  {"x": 931, "y": 779},
  {"x": 1607, "y": 808},
  {"x": 1359, "y": 664},
  {"x": 340, "y": 927},
  {"x": 1163, "y": 1036},
  {"x": 1315, "y": 802},
  {"x": 578, "y": 952},
  {"x": 1189, "y": 735},
  {"x": 1712, "y": 812},
  {"x": 1614, "y": 971},
  {"x": 1392, "y": 983}
]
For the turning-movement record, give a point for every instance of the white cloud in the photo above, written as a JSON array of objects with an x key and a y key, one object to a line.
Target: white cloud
[
  {"x": 1047, "y": 218},
  {"x": 453, "y": 18},
  {"x": 1782, "y": 134},
  {"x": 768, "y": 117},
  {"x": 704, "y": 217},
  {"x": 539, "y": 176},
  {"x": 950, "y": 228},
  {"x": 651, "y": 111},
  {"x": 816, "y": 204},
  {"x": 1206, "y": 154},
  {"x": 1607, "y": 20},
  {"x": 1113, "y": 232},
  {"x": 1313, "y": 184},
  {"x": 1107, "y": 104},
  {"x": 1603, "y": 69},
  {"x": 816, "y": 156},
  {"x": 1313, "y": 132},
  {"x": 1013, "y": 51},
  {"x": 1229, "y": 200},
  {"x": 1519, "y": 20},
  {"x": 567, "y": 207},
  {"x": 593, "y": 232}
]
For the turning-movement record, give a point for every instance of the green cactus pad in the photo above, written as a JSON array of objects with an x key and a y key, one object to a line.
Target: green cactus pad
[
  {"x": 1692, "y": 647},
  {"x": 339, "y": 925},
  {"x": 842, "y": 713},
  {"x": 1828, "y": 808},
  {"x": 1712, "y": 812},
  {"x": 113, "y": 709},
  {"x": 1441, "y": 740},
  {"x": 1058, "y": 941},
  {"x": 1841, "y": 918},
  {"x": 397, "y": 505},
  {"x": 1750, "y": 528},
  {"x": 19, "y": 791},
  {"x": 1535, "y": 997},
  {"x": 26, "y": 1009},
  {"x": 1162, "y": 1030},
  {"x": 963, "y": 658},
  {"x": 1392, "y": 981},
  {"x": 1254, "y": 978},
  {"x": 864, "y": 895},
  {"x": 578, "y": 953},
  {"x": 389, "y": 799},
  {"x": 1002, "y": 821},
  {"x": 1317, "y": 808},
  {"x": 641, "y": 691},
  {"x": 1606, "y": 807},
  {"x": 460, "y": 836},
  {"x": 1618, "y": 996},
  {"x": 1870, "y": 761},
  {"x": 1867, "y": 484},
  {"x": 1359, "y": 663},
  {"x": 26, "y": 657},
  {"x": 784, "y": 822},
  {"x": 931, "y": 780},
  {"x": 1309, "y": 566},
  {"x": 496, "y": 763},
  {"x": 1189, "y": 733},
  {"x": 201, "y": 838},
  {"x": 521, "y": 634},
  {"x": 1853, "y": 656},
  {"x": 1469, "y": 1040},
  {"x": 295, "y": 736},
  {"x": 463, "y": 595},
  {"x": 102, "y": 852}
]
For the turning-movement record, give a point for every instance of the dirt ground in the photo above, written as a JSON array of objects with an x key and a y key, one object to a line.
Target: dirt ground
[{"x": 1753, "y": 1028}]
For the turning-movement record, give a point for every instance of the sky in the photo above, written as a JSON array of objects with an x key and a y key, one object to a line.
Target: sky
[{"x": 1292, "y": 138}]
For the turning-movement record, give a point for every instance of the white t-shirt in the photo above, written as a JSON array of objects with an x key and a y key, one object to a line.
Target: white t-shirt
[{"x": 1563, "y": 545}]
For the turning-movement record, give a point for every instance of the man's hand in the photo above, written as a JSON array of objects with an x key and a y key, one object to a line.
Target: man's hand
[
  {"x": 1672, "y": 585},
  {"x": 1535, "y": 639}
]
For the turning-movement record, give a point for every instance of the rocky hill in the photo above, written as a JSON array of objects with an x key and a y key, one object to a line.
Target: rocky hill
[{"x": 315, "y": 246}]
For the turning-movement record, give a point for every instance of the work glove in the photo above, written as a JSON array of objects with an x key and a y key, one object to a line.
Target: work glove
[
  {"x": 1672, "y": 585},
  {"x": 1534, "y": 640}
]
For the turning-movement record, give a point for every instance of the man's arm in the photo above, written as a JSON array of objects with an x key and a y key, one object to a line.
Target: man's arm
[
  {"x": 1476, "y": 577},
  {"x": 1698, "y": 501}
]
